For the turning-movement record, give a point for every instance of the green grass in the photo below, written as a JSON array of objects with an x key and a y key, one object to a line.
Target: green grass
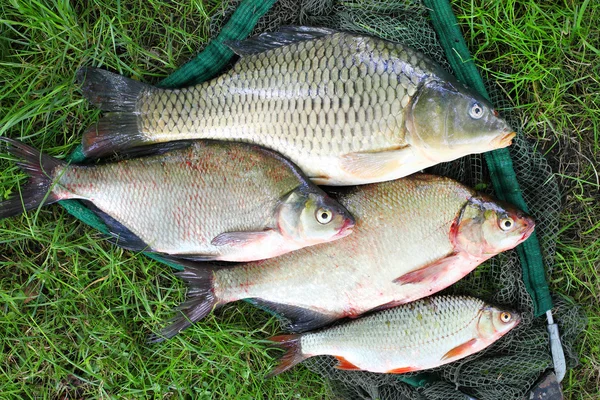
[{"x": 75, "y": 311}]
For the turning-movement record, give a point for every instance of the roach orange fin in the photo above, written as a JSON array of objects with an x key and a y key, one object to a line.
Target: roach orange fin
[
  {"x": 346, "y": 365},
  {"x": 460, "y": 351},
  {"x": 402, "y": 370},
  {"x": 429, "y": 273}
]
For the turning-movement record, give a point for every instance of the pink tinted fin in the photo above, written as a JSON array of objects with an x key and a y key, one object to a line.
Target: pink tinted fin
[
  {"x": 402, "y": 370},
  {"x": 346, "y": 365},
  {"x": 293, "y": 353},
  {"x": 460, "y": 351},
  {"x": 431, "y": 272},
  {"x": 375, "y": 164},
  {"x": 240, "y": 238}
]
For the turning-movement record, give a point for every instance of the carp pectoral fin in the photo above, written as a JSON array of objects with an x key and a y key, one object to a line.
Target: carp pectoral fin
[
  {"x": 346, "y": 365},
  {"x": 299, "y": 319},
  {"x": 240, "y": 238},
  {"x": 376, "y": 164},
  {"x": 429, "y": 272},
  {"x": 460, "y": 351},
  {"x": 402, "y": 370}
]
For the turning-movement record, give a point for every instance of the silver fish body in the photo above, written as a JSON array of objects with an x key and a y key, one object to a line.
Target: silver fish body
[
  {"x": 424, "y": 334},
  {"x": 203, "y": 200},
  {"x": 348, "y": 109},
  {"x": 413, "y": 237}
]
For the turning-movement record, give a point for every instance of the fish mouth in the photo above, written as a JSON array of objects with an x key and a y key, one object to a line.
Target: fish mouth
[
  {"x": 528, "y": 229},
  {"x": 346, "y": 229},
  {"x": 504, "y": 140}
]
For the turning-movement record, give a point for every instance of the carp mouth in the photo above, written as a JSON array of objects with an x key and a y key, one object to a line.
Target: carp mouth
[{"x": 504, "y": 140}]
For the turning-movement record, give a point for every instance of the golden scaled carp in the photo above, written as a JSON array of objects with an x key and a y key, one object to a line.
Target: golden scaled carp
[
  {"x": 201, "y": 200},
  {"x": 347, "y": 109},
  {"x": 420, "y": 335},
  {"x": 413, "y": 237}
]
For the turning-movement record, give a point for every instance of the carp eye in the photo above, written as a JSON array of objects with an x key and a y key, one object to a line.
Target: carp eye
[
  {"x": 506, "y": 224},
  {"x": 476, "y": 111},
  {"x": 324, "y": 216},
  {"x": 505, "y": 317}
]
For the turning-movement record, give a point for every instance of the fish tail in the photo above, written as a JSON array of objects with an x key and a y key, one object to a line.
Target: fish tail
[
  {"x": 200, "y": 300},
  {"x": 38, "y": 190},
  {"x": 293, "y": 353},
  {"x": 119, "y": 96}
]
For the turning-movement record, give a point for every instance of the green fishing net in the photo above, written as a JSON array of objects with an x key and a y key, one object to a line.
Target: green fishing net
[
  {"x": 509, "y": 368},
  {"x": 505, "y": 370}
]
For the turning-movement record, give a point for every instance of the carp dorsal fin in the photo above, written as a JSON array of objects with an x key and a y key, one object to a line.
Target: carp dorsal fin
[
  {"x": 285, "y": 36},
  {"x": 300, "y": 319}
]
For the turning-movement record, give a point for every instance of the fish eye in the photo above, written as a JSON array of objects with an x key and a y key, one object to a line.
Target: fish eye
[
  {"x": 324, "y": 216},
  {"x": 476, "y": 111},
  {"x": 505, "y": 317},
  {"x": 506, "y": 224}
]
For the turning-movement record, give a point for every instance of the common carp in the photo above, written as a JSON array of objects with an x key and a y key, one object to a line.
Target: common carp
[
  {"x": 347, "y": 109},
  {"x": 203, "y": 200},
  {"x": 411, "y": 337},
  {"x": 413, "y": 237}
]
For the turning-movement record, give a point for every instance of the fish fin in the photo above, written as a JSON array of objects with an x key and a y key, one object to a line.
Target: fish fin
[
  {"x": 460, "y": 351},
  {"x": 431, "y": 272},
  {"x": 300, "y": 319},
  {"x": 154, "y": 149},
  {"x": 346, "y": 365},
  {"x": 38, "y": 189},
  {"x": 293, "y": 353},
  {"x": 375, "y": 164},
  {"x": 109, "y": 91},
  {"x": 240, "y": 238},
  {"x": 112, "y": 133},
  {"x": 402, "y": 370},
  {"x": 285, "y": 36},
  {"x": 199, "y": 303},
  {"x": 119, "y": 234}
]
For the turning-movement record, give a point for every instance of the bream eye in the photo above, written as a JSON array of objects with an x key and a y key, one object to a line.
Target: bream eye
[
  {"x": 506, "y": 224},
  {"x": 324, "y": 216},
  {"x": 505, "y": 317}
]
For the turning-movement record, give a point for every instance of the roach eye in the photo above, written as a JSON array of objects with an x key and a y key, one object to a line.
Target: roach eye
[{"x": 505, "y": 317}]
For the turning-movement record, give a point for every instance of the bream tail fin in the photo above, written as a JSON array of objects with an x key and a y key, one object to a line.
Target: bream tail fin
[{"x": 37, "y": 191}]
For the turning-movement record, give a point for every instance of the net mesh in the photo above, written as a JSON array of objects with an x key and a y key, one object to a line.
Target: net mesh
[{"x": 507, "y": 369}]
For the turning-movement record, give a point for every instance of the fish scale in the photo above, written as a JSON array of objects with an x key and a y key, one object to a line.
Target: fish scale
[
  {"x": 416, "y": 335},
  {"x": 231, "y": 91},
  {"x": 348, "y": 109},
  {"x": 202, "y": 199}
]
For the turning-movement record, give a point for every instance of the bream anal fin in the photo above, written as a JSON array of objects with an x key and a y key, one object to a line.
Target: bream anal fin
[{"x": 300, "y": 319}]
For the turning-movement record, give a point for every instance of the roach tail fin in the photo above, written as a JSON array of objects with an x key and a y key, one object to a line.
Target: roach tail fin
[
  {"x": 118, "y": 95},
  {"x": 293, "y": 353},
  {"x": 199, "y": 303},
  {"x": 37, "y": 191}
]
